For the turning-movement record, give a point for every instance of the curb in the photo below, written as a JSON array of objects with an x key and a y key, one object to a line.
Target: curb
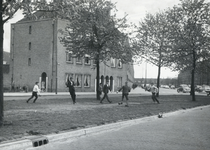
[
  {"x": 71, "y": 135},
  {"x": 16, "y": 145}
]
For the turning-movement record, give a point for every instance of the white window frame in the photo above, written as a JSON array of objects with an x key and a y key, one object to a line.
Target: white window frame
[
  {"x": 119, "y": 81},
  {"x": 112, "y": 62},
  {"x": 67, "y": 76},
  {"x": 79, "y": 60},
  {"x": 87, "y": 79},
  {"x": 78, "y": 80}
]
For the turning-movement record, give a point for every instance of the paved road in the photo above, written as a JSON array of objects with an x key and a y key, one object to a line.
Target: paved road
[{"x": 185, "y": 130}]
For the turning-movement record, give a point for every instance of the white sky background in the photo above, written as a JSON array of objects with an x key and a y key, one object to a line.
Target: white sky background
[{"x": 136, "y": 10}]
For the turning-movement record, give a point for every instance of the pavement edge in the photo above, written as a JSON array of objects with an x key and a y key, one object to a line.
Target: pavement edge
[{"x": 28, "y": 143}]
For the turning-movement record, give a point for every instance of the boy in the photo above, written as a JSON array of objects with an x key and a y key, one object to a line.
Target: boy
[
  {"x": 125, "y": 91},
  {"x": 154, "y": 91},
  {"x": 106, "y": 89},
  {"x": 35, "y": 92},
  {"x": 70, "y": 85}
]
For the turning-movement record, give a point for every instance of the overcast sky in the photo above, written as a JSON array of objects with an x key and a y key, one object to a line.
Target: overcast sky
[{"x": 136, "y": 10}]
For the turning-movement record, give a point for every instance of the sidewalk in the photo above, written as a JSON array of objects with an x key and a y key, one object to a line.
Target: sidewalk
[
  {"x": 135, "y": 91},
  {"x": 12, "y": 94},
  {"x": 180, "y": 130}
]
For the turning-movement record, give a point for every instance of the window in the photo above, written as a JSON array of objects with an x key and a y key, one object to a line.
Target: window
[
  {"x": 69, "y": 57},
  {"x": 119, "y": 63},
  {"x": 29, "y": 61},
  {"x": 112, "y": 62},
  {"x": 67, "y": 77},
  {"x": 30, "y": 29},
  {"x": 79, "y": 60},
  {"x": 119, "y": 81},
  {"x": 29, "y": 46},
  {"x": 87, "y": 60},
  {"x": 86, "y": 80},
  {"x": 78, "y": 79},
  {"x": 94, "y": 61}
]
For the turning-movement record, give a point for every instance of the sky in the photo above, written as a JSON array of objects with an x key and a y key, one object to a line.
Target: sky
[{"x": 136, "y": 10}]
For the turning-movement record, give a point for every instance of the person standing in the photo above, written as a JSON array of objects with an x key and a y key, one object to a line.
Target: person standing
[
  {"x": 70, "y": 85},
  {"x": 125, "y": 92},
  {"x": 106, "y": 89},
  {"x": 35, "y": 92},
  {"x": 154, "y": 91}
]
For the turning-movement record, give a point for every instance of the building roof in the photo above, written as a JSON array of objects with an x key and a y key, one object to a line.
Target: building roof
[{"x": 39, "y": 15}]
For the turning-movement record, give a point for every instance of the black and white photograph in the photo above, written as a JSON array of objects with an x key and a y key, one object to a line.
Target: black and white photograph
[{"x": 104, "y": 74}]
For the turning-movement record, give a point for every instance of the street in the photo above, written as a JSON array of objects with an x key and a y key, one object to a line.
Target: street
[{"x": 186, "y": 130}]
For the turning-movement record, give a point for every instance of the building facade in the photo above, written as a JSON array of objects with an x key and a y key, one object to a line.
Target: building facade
[{"x": 37, "y": 55}]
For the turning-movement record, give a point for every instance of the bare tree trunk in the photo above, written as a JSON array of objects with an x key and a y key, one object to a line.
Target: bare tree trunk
[
  {"x": 158, "y": 79},
  {"x": 97, "y": 77},
  {"x": 192, "y": 91},
  {"x": 1, "y": 67},
  {"x": 159, "y": 70}
]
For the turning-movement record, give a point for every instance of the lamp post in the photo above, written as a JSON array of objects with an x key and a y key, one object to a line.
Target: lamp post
[
  {"x": 145, "y": 80},
  {"x": 145, "y": 61}
]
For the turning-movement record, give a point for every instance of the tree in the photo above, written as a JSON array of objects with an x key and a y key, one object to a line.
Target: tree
[
  {"x": 8, "y": 9},
  {"x": 153, "y": 42},
  {"x": 189, "y": 26},
  {"x": 94, "y": 31}
]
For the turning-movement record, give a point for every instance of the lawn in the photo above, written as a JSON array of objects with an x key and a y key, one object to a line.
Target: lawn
[{"x": 48, "y": 116}]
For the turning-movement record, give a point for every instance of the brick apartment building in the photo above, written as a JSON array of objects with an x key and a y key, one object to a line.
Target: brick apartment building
[{"x": 37, "y": 55}]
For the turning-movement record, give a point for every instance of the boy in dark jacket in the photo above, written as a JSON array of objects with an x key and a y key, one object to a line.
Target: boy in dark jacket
[
  {"x": 125, "y": 92},
  {"x": 106, "y": 89},
  {"x": 70, "y": 85}
]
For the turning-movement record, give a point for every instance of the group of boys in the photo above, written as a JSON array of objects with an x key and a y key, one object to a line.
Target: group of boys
[{"x": 105, "y": 89}]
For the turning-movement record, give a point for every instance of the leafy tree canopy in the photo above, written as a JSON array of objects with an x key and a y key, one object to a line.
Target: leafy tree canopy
[
  {"x": 189, "y": 24},
  {"x": 153, "y": 41},
  {"x": 95, "y": 30}
]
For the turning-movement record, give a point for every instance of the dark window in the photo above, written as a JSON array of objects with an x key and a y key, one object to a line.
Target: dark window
[
  {"x": 87, "y": 60},
  {"x": 29, "y": 61},
  {"x": 29, "y": 46},
  {"x": 69, "y": 57},
  {"x": 30, "y": 29},
  {"x": 119, "y": 64}
]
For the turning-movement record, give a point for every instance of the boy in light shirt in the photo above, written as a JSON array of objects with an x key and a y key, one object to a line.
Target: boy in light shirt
[
  {"x": 154, "y": 91},
  {"x": 35, "y": 92}
]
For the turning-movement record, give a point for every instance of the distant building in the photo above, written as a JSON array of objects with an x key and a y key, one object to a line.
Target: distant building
[
  {"x": 37, "y": 55},
  {"x": 200, "y": 78}
]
